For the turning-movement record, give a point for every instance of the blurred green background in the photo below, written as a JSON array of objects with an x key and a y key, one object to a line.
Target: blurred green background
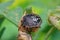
[{"x": 12, "y": 10}]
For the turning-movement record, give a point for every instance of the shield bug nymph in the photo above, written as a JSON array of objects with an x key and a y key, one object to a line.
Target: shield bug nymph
[{"x": 30, "y": 22}]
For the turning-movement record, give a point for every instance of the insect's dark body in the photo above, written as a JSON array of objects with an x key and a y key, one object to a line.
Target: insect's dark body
[{"x": 31, "y": 22}]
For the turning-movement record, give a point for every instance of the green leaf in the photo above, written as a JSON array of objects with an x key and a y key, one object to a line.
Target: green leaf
[
  {"x": 4, "y": 5},
  {"x": 10, "y": 32},
  {"x": 14, "y": 15}
]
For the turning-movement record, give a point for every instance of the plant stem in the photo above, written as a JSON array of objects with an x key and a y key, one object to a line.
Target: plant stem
[{"x": 49, "y": 32}]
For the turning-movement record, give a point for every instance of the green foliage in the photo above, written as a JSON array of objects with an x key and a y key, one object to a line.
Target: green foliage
[{"x": 11, "y": 12}]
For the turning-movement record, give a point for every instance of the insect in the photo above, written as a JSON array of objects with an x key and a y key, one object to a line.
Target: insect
[{"x": 29, "y": 23}]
